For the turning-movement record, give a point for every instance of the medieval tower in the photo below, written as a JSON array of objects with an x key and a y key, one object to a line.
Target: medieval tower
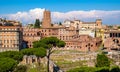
[
  {"x": 46, "y": 19},
  {"x": 98, "y": 23}
]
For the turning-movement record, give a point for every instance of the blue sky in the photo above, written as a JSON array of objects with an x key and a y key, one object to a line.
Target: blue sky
[
  {"x": 13, "y": 6},
  {"x": 64, "y": 6}
]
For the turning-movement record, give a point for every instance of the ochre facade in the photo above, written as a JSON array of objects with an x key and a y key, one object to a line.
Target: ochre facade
[{"x": 10, "y": 36}]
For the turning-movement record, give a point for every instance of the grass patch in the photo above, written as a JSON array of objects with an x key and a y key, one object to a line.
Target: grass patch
[
  {"x": 66, "y": 51},
  {"x": 37, "y": 68}
]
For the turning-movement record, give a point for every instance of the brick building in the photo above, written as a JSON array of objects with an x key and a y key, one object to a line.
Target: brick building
[
  {"x": 68, "y": 33},
  {"x": 83, "y": 43},
  {"x": 30, "y": 35},
  {"x": 112, "y": 42}
]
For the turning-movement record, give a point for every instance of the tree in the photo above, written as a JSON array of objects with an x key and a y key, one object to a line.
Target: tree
[
  {"x": 39, "y": 52},
  {"x": 37, "y": 23},
  {"x": 110, "y": 26},
  {"x": 102, "y": 61},
  {"x": 49, "y": 43},
  {"x": 12, "y": 54},
  {"x": 60, "y": 23},
  {"x": 7, "y": 64},
  {"x": 51, "y": 24},
  {"x": 118, "y": 27}
]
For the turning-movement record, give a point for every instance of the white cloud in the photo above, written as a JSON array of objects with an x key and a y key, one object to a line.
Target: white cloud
[
  {"x": 108, "y": 17},
  {"x": 91, "y": 15},
  {"x": 26, "y": 17}
]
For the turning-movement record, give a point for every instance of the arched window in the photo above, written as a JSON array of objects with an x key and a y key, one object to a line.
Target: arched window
[{"x": 38, "y": 33}]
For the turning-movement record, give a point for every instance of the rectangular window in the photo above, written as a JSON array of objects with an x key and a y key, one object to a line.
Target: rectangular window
[
  {"x": 49, "y": 30},
  {"x": 9, "y": 29},
  {"x": 10, "y": 41},
  {"x": 17, "y": 41},
  {"x": 0, "y": 41},
  {"x": 2, "y": 28},
  {"x": 115, "y": 34},
  {"x": 110, "y": 34},
  {"x": 4, "y": 45},
  {"x": 0, "y": 37},
  {"x": 7, "y": 41},
  {"x": 4, "y": 41},
  {"x": 119, "y": 35}
]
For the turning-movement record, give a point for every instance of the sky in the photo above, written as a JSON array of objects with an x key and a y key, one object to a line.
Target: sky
[{"x": 27, "y": 11}]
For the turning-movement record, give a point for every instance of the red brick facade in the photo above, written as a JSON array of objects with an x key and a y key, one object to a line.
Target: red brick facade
[
  {"x": 30, "y": 35},
  {"x": 84, "y": 43},
  {"x": 46, "y": 19},
  {"x": 112, "y": 42}
]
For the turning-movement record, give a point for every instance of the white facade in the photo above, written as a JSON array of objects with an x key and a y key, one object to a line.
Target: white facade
[
  {"x": 85, "y": 31},
  {"x": 67, "y": 23},
  {"x": 80, "y": 24}
]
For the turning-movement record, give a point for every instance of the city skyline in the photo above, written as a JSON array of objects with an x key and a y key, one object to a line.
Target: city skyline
[
  {"x": 85, "y": 10},
  {"x": 60, "y": 36}
]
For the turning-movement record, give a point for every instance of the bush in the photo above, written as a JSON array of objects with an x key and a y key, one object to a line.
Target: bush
[
  {"x": 82, "y": 69},
  {"x": 102, "y": 61},
  {"x": 96, "y": 69},
  {"x": 90, "y": 69},
  {"x": 102, "y": 69},
  {"x": 115, "y": 69},
  {"x": 20, "y": 68}
]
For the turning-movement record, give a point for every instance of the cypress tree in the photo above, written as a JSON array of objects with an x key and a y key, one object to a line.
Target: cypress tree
[{"x": 37, "y": 23}]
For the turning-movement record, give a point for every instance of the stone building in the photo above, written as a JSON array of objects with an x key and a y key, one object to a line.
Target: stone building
[
  {"x": 10, "y": 36},
  {"x": 84, "y": 31},
  {"x": 80, "y": 24},
  {"x": 31, "y": 59},
  {"x": 10, "y": 22},
  {"x": 84, "y": 28}
]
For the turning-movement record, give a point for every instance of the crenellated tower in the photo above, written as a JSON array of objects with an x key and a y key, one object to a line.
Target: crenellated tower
[{"x": 46, "y": 23}]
